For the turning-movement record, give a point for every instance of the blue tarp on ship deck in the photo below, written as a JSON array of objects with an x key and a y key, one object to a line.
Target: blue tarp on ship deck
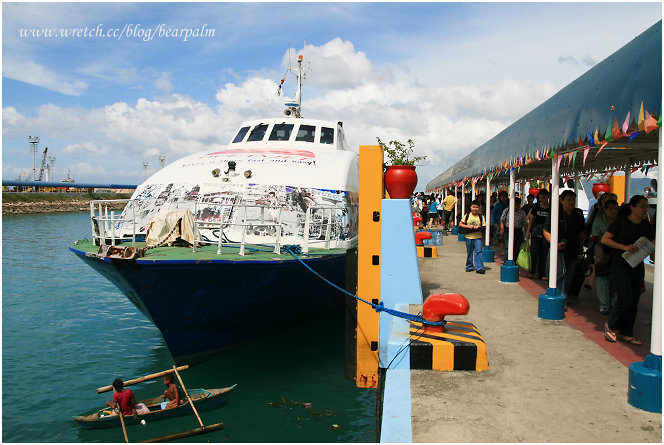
[{"x": 623, "y": 80}]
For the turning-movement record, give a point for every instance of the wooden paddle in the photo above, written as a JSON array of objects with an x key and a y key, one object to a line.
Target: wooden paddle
[
  {"x": 143, "y": 379},
  {"x": 124, "y": 428},
  {"x": 191, "y": 402}
]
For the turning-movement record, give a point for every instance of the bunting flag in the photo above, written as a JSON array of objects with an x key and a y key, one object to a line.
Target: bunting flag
[
  {"x": 607, "y": 133},
  {"x": 537, "y": 155},
  {"x": 626, "y": 124},
  {"x": 591, "y": 141},
  {"x": 585, "y": 155},
  {"x": 560, "y": 158},
  {"x": 574, "y": 159},
  {"x": 650, "y": 123},
  {"x": 641, "y": 120},
  {"x": 647, "y": 168},
  {"x": 615, "y": 131},
  {"x": 659, "y": 122},
  {"x": 580, "y": 141},
  {"x": 596, "y": 136},
  {"x": 634, "y": 135},
  {"x": 601, "y": 148}
]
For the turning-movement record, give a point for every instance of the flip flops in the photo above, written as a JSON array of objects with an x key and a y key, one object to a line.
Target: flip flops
[
  {"x": 630, "y": 340},
  {"x": 609, "y": 335}
]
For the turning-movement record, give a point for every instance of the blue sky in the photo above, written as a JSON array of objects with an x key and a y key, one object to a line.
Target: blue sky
[{"x": 448, "y": 75}]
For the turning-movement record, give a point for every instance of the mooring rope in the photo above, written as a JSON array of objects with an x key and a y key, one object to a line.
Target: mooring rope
[{"x": 377, "y": 307}]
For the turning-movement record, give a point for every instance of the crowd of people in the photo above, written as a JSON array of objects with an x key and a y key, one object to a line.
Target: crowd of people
[{"x": 586, "y": 249}]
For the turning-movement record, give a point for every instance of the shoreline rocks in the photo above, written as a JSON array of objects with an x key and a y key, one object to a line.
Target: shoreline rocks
[{"x": 72, "y": 205}]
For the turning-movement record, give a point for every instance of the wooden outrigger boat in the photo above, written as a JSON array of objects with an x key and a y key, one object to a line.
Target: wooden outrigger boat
[
  {"x": 204, "y": 399},
  {"x": 197, "y": 399}
]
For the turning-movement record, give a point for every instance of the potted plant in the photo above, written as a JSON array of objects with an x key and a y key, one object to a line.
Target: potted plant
[
  {"x": 400, "y": 176},
  {"x": 601, "y": 187}
]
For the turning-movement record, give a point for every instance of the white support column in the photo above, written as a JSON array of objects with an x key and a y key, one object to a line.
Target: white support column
[
  {"x": 656, "y": 330},
  {"x": 555, "y": 215},
  {"x": 463, "y": 199},
  {"x": 628, "y": 178},
  {"x": 488, "y": 212},
  {"x": 510, "y": 247},
  {"x": 576, "y": 189},
  {"x": 456, "y": 205}
]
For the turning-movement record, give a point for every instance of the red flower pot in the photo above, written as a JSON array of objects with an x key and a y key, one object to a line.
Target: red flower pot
[
  {"x": 400, "y": 181},
  {"x": 600, "y": 187}
]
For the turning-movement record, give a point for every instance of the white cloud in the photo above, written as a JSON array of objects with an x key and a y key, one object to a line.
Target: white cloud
[
  {"x": 333, "y": 65},
  {"x": 87, "y": 148},
  {"x": 31, "y": 72},
  {"x": 164, "y": 82}
]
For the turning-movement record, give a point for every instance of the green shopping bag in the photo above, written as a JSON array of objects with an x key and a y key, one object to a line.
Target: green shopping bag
[{"x": 524, "y": 260}]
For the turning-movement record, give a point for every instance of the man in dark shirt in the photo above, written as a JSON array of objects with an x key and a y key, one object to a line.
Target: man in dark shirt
[
  {"x": 537, "y": 220},
  {"x": 570, "y": 239}
]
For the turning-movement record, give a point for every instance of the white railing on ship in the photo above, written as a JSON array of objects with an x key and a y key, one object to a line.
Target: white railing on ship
[
  {"x": 106, "y": 221},
  {"x": 244, "y": 222}
]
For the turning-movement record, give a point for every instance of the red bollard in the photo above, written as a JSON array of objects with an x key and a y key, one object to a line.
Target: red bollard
[
  {"x": 437, "y": 306},
  {"x": 421, "y": 236}
]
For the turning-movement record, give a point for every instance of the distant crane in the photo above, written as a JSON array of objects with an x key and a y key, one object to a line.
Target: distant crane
[{"x": 43, "y": 164}]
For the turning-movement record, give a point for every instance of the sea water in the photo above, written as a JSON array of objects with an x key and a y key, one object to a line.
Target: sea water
[{"x": 67, "y": 331}]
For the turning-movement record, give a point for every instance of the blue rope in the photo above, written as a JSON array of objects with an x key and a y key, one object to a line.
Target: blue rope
[{"x": 377, "y": 307}]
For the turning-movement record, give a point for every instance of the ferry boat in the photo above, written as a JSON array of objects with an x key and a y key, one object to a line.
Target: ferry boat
[{"x": 201, "y": 246}]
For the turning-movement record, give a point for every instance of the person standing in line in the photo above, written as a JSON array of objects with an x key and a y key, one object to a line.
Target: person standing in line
[
  {"x": 475, "y": 222},
  {"x": 570, "y": 239},
  {"x": 519, "y": 222},
  {"x": 496, "y": 213},
  {"x": 433, "y": 211},
  {"x": 628, "y": 282},
  {"x": 448, "y": 209},
  {"x": 424, "y": 211},
  {"x": 602, "y": 255},
  {"x": 539, "y": 247},
  {"x": 530, "y": 200},
  {"x": 439, "y": 206}
]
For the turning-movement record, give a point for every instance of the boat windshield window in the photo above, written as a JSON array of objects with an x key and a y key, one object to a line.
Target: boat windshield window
[
  {"x": 241, "y": 134},
  {"x": 306, "y": 133},
  {"x": 257, "y": 133},
  {"x": 326, "y": 135},
  {"x": 281, "y": 132}
]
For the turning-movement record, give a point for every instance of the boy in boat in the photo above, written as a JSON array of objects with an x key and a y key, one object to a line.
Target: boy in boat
[
  {"x": 172, "y": 393},
  {"x": 124, "y": 398}
]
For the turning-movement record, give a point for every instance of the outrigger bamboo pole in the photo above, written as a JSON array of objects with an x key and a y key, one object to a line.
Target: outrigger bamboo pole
[
  {"x": 143, "y": 379},
  {"x": 191, "y": 402},
  {"x": 180, "y": 435}
]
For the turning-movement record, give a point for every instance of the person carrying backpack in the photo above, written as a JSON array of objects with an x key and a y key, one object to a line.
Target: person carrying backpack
[{"x": 472, "y": 225}]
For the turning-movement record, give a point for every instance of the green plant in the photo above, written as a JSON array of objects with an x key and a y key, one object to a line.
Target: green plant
[{"x": 399, "y": 153}]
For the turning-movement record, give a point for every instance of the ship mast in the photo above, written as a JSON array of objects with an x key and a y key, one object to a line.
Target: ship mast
[{"x": 293, "y": 107}]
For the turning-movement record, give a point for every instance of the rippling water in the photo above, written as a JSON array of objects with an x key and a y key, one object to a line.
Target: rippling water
[{"x": 67, "y": 331}]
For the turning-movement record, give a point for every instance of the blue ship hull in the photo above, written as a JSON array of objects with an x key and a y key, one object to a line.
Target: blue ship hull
[{"x": 203, "y": 307}]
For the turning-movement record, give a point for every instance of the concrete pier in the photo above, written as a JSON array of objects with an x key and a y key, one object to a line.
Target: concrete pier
[{"x": 549, "y": 381}]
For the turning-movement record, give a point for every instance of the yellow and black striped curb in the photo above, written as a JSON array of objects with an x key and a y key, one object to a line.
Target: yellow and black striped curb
[{"x": 459, "y": 348}]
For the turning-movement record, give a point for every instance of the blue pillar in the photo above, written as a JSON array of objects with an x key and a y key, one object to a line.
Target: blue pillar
[
  {"x": 399, "y": 271},
  {"x": 645, "y": 384},
  {"x": 551, "y": 305},
  {"x": 488, "y": 254},
  {"x": 509, "y": 272}
]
